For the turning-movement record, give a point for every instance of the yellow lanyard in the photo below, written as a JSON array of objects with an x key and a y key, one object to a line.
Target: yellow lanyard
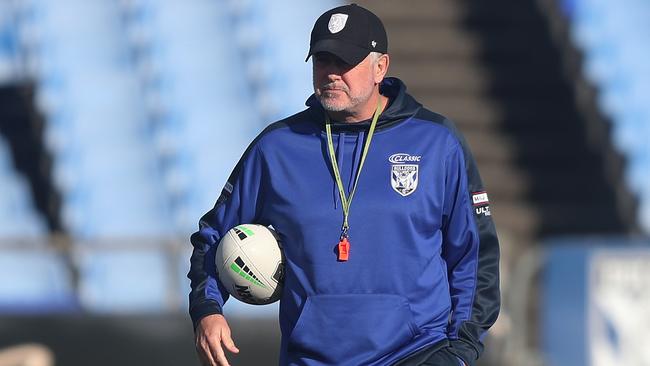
[{"x": 345, "y": 201}]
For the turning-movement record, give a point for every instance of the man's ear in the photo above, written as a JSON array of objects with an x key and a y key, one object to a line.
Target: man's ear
[{"x": 381, "y": 68}]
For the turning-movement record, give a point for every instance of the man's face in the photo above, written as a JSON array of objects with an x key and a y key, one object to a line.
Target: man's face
[{"x": 341, "y": 87}]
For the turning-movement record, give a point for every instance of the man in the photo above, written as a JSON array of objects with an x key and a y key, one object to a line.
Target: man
[{"x": 391, "y": 254}]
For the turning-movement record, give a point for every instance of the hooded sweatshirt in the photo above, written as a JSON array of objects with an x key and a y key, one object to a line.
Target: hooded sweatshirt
[{"x": 423, "y": 263}]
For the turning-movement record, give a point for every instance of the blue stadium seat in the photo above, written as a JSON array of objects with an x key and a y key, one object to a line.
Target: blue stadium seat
[
  {"x": 124, "y": 280},
  {"x": 9, "y": 69},
  {"x": 34, "y": 281},
  {"x": 182, "y": 268},
  {"x": 193, "y": 68},
  {"x": 97, "y": 128},
  {"x": 287, "y": 76}
]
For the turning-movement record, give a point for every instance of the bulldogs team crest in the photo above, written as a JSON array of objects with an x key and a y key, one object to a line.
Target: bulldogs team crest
[
  {"x": 337, "y": 22},
  {"x": 404, "y": 177}
]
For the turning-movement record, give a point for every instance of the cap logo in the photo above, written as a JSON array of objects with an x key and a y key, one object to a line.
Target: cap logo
[
  {"x": 337, "y": 22},
  {"x": 374, "y": 44}
]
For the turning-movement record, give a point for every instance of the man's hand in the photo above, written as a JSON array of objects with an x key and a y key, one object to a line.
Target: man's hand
[{"x": 210, "y": 333}]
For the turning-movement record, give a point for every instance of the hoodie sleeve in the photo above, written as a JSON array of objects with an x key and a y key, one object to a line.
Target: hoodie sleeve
[
  {"x": 471, "y": 251},
  {"x": 238, "y": 203}
]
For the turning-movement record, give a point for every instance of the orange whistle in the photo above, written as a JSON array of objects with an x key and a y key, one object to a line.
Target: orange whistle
[{"x": 344, "y": 249}]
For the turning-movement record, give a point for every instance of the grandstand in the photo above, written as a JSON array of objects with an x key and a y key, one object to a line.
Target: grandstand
[
  {"x": 120, "y": 121},
  {"x": 614, "y": 42}
]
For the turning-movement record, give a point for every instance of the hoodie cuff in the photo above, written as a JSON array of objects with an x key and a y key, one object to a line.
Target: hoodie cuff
[
  {"x": 464, "y": 351},
  {"x": 200, "y": 311}
]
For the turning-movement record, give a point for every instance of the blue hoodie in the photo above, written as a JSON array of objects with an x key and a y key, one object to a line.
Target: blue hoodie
[{"x": 423, "y": 266}]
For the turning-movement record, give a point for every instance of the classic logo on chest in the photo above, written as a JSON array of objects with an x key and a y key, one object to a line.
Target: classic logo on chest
[{"x": 404, "y": 173}]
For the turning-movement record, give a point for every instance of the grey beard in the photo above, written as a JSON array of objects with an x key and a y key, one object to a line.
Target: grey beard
[{"x": 331, "y": 107}]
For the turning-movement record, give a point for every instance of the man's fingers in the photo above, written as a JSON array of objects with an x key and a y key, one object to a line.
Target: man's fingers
[
  {"x": 228, "y": 342},
  {"x": 217, "y": 351},
  {"x": 212, "y": 331},
  {"x": 218, "y": 355},
  {"x": 206, "y": 359},
  {"x": 205, "y": 355}
]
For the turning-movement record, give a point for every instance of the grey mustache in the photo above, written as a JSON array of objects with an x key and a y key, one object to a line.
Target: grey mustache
[{"x": 332, "y": 87}]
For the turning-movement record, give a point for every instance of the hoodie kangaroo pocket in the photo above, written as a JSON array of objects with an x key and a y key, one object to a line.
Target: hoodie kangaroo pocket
[{"x": 350, "y": 329}]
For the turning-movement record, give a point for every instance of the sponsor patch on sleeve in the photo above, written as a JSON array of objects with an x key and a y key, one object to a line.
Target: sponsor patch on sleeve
[
  {"x": 226, "y": 192},
  {"x": 228, "y": 187},
  {"x": 483, "y": 210},
  {"x": 481, "y": 203},
  {"x": 480, "y": 199}
]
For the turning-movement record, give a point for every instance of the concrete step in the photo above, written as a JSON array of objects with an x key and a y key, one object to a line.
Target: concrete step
[
  {"x": 430, "y": 39},
  {"x": 472, "y": 76},
  {"x": 515, "y": 218},
  {"x": 464, "y": 109},
  {"x": 520, "y": 112},
  {"x": 502, "y": 182},
  {"x": 450, "y": 10},
  {"x": 506, "y": 182},
  {"x": 541, "y": 150},
  {"x": 489, "y": 145},
  {"x": 446, "y": 75},
  {"x": 546, "y": 149},
  {"x": 416, "y": 10},
  {"x": 543, "y": 220}
]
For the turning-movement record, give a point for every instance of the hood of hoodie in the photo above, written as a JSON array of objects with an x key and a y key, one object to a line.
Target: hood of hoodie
[{"x": 401, "y": 106}]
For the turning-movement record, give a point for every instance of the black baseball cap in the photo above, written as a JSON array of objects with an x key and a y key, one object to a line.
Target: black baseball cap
[{"x": 350, "y": 32}]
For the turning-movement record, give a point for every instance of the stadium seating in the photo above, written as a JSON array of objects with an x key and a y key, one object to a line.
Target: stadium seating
[
  {"x": 168, "y": 85},
  {"x": 32, "y": 278},
  {"x": 96, "y": 124},
  {"x": 124, "y": 280},
  {"x": 8, "y": 49},
  {"x": 148, "y": 106},
  {"x": 274, "y": 39},
  {"x": 203, "y": 111},
  {"x": 35, "y": 281},
  {"x": 614, "y": 37}
]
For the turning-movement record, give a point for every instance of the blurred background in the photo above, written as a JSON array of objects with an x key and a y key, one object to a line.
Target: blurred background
[{"x": 120, "y": 121}]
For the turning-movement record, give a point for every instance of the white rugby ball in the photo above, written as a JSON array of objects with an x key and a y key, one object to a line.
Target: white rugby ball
[{"x": 250, "y": 264}]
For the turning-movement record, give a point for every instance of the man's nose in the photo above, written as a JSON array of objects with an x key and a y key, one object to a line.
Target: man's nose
[{"x": 333, "y": 75}]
